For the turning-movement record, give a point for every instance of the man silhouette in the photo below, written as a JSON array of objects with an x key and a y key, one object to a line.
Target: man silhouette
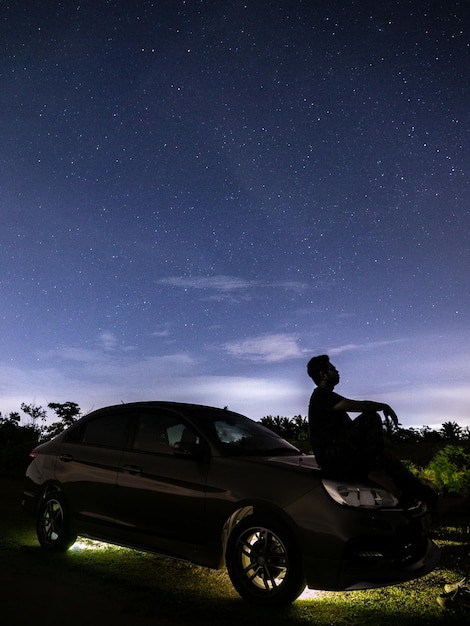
[{"x": 354, "y": 448}]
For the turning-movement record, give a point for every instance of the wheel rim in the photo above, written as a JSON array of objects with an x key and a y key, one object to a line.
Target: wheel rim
[
  {"x": 263, "y": 560},
  {"x": 52, "y": 521}
]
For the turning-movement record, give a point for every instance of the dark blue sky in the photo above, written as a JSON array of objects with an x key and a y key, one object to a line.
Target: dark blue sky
[{"x": 197, "y": 196}]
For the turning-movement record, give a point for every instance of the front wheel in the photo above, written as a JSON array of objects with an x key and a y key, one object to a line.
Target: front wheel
[
  {"x": 263, "y": 562},
  {"x": 52, "y": 527}
]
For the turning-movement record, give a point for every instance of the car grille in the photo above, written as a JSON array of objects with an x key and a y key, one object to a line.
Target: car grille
[{"x": 384, "y": 553}]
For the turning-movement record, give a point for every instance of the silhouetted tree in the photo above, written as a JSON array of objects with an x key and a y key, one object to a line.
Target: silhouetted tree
[
  {"x": 276, "y": 423},
  {"x": 36, "y": 413},
  {"x": 451, "y": 431},
  {"x": 301, "y": 427},
  {"x": 292, "y": 429},
  {"x": 406, "y": 435},
  {"x": 67, "y": 412},
  {"x": 465, "y": 433}
]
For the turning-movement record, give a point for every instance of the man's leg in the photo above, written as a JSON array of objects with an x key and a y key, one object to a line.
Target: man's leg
[
  {"x": 367, "y": 435},
  {"x": 407, "y": 482}
]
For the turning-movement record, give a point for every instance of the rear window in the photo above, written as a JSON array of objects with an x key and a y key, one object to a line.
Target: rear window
[{"x": 109, "y": 431}]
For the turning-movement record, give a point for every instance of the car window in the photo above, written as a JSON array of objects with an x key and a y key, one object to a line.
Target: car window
[
  {"x": 230, "y": 432},
  {"x": 241, "y": 436},
  {"x": 158, "y": 432},
  {"x": 109, "y": 431}
]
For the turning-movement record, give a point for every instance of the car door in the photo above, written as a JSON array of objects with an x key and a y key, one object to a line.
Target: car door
[
  {"x": 87, "y": 466},
  {"x": 161, "y": 494}
]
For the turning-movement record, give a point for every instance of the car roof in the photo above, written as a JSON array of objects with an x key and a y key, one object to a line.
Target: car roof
[{"x": 161, "y": 404}]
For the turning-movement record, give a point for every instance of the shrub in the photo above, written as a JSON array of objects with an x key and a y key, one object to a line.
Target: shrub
[{"x": 449, "y": 470}]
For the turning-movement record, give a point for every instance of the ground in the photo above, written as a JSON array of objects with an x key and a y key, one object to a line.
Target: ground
[{"x": 39, "y": 588}]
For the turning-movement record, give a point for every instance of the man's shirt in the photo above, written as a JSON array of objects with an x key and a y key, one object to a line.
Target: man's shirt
[{"x": 329, "y": 429}]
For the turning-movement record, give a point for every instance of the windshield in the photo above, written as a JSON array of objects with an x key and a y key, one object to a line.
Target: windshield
[{"x": 240, "y": 436}]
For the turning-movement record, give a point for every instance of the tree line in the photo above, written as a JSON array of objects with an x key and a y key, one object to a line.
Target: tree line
[{"x": 296, "y": 429}]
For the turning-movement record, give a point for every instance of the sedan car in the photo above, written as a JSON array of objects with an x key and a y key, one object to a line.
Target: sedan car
[{"x": 218, "y": 489}]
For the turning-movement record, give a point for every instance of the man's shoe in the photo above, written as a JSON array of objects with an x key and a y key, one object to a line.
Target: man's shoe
[
  {"x": 459, "y": 597},
  {"x": 446, "y": 600},
  {"x": 454, "y": 586}
]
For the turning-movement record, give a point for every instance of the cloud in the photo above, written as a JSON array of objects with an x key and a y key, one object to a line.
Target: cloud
[
  {"x": 430, "y": 405},
  {"x": 160, "y": 333},
  {"x": 362, "y": 346},
  {"x": 144, "y": 371},
  {"x": 219, "y": 283},
  {"x": 225, "y": 284},
  {"x": 272, "y": 348},
  {"x": 107, "y": 340},
  {"x": 230, "y": 289},
  {"x": 252, "y": 396},
  {"x": 79, "y": 355},
  {"x": 94, "y": 379}
]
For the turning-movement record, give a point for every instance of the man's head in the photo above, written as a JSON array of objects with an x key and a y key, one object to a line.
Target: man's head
[{"x": 320, "y": 369}]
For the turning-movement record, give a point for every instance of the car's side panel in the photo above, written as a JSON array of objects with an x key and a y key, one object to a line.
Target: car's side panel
[
  {"x": 162, "y": 495},
  {"x": 88, "y": 478},
  {"x": 235, "y": 482},
  {"x": 88, "y": 458}
]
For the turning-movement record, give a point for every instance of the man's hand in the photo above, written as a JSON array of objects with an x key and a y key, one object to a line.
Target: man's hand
[{"x": 390, "y": 415}]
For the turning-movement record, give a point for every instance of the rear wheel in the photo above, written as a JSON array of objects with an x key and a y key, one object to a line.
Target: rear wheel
[
  {"x": 264, "y": 563},
  {"x": 53, "y": 525}
]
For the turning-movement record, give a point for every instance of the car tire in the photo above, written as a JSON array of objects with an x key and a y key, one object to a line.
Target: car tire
[
  {"x": 53, "y": 524},
  {"x": 263, "y": 562}
]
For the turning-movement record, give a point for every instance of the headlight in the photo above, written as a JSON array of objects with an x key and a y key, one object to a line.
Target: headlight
[{"x": 358, "y": 495}]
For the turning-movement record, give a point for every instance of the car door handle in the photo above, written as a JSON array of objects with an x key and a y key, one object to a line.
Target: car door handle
[
  {"x": 66, "y": 458},
  {"x": 131, "y": 469}
]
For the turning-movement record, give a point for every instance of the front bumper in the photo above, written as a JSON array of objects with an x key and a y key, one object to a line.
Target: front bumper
[
  {"x": 369, "y": 565},
  {"x": 366, "y": 551}
]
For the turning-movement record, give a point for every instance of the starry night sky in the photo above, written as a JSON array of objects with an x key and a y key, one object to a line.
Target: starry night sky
[{"x": 198, "y": 196}]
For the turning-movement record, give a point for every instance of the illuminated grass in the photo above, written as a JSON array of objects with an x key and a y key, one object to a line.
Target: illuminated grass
[{"x": 182, "y": 585}]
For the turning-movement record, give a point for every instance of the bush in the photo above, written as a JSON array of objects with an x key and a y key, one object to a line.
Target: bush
[
  {"x": 449, "y": 470},
  {"x": 16, "y": 442}
]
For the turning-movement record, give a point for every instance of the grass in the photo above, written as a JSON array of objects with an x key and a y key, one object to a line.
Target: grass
[{"x": 146, "y": 589}]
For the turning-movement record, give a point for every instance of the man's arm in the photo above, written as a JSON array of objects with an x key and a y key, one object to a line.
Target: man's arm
[{"x": 360, "y": 406}]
